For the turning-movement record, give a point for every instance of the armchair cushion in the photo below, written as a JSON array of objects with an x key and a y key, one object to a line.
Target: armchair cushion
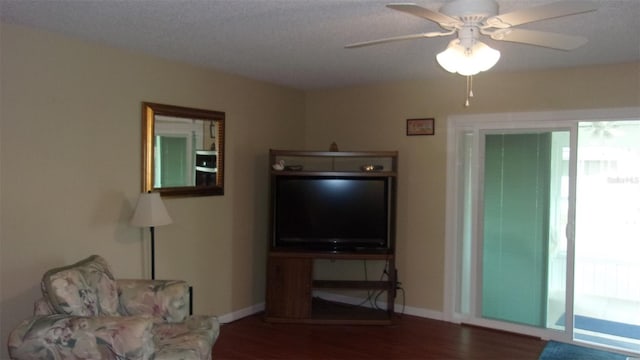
[
  {"x": 78, "y": 337},
  {"x": 167, "y": 300},
  {"x": 86, "y": 288}
]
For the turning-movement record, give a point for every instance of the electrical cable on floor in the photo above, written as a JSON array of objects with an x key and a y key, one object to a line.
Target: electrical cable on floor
[
  {"x": 370, "y": 294},
  {"x": 373, "y": 295},
  {"x": 400, "y": 288}
]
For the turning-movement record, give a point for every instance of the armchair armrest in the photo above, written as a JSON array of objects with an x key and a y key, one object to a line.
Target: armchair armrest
[
  {"x": 193, "y": 338},
  {"x": 76, "y": 337},
  {"x": 165, "y": 300}
]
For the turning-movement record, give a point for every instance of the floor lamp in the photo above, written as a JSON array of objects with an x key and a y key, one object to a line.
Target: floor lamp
[{"x": 150, "y": 212}]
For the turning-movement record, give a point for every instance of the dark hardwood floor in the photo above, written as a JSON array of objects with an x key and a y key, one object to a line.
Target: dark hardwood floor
[{"x": 409, "y": 337}]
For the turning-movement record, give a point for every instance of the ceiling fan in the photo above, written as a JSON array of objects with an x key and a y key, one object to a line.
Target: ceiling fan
[
  {"x": 472, "y": 18},
  {"x": 467, "y": 55}
]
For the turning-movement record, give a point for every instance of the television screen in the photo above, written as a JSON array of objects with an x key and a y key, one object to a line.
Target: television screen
[{"x": 331, "y": 213}]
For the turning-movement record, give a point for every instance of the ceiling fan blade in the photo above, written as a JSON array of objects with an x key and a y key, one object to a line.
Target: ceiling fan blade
[
  {"x": 542, "y": 12},
  {"x": 398, "y": 38},
  {"x": 413, "y": 9},
  {"x": 540, "y": 38}
]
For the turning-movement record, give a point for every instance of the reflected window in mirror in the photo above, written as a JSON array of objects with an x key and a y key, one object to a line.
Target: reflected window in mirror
[{"x": 183, "y": 150}]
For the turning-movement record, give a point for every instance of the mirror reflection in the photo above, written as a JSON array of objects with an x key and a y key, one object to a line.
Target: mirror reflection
[{"x": 184, "y": 150}]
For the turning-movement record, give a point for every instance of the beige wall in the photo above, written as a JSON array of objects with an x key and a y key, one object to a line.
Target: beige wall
[
  {"x": 70, "y": 162},
  {"x": 71, "y": 170},
  {"x": 374, "y": 118}
]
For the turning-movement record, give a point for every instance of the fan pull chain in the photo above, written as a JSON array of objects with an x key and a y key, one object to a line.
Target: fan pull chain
[{"x": 469, "y": 90}]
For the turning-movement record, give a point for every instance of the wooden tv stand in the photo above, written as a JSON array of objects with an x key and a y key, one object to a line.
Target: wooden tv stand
[
  {"x": 290, "y": 286},
  {"x": 290, "y": 275}
]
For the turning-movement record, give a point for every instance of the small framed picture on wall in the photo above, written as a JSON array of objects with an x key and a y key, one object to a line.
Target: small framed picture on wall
[{"x": 420, "y": 126}]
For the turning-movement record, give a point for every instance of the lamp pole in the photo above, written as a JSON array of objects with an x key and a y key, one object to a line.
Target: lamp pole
[
  {"x": 151, "y": 212},
  {"x": 153, "y": 252}
]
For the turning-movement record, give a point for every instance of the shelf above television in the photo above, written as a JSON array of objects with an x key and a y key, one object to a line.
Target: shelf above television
[
  {"x": 331, "y": 255},
  {"x": 305, "y": 153},
  {"x": 333, "y": 173},
  {"x": 328, "y": 163}
]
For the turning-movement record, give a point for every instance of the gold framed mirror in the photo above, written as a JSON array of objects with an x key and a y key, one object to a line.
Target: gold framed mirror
[{"x": 182, "y": 150}]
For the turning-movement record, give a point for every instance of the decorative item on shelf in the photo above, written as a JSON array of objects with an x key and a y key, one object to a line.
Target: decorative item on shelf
[
  {"x": 150, "y": 212},
  {"x": 278, "y": 165},
  {"x": 333, "y": 147},
  {"x": 371, "y": 167},
  {"x": 293, "y": 167}
]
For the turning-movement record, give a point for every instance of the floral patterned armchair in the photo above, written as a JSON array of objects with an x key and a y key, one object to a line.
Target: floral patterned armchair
[{"x": 85, "y": 313}]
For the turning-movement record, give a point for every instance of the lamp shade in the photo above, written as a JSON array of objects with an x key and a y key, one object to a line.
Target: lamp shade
[
  {"x": 468, "y": 61},
  {"x": 150, "y": 211}
]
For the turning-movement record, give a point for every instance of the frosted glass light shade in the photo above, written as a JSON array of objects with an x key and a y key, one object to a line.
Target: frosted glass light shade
[
  {"x": 451, "y": 58},
  {"x": 457, "y": 59},
  {"x": 150, "y": 211},
  {"x": 484, "y": 56}
]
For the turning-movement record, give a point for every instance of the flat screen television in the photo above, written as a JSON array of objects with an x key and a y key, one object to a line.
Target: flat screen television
[{"x": 336, "y": 214}]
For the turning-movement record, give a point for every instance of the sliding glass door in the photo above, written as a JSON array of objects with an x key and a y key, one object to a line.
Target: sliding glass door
[
  {"x": 543, "y": 228},
  {"x": 607, "y": 271}
]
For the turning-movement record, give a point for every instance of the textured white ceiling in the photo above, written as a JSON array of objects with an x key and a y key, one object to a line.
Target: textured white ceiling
[{"x": 300, "y": 43}]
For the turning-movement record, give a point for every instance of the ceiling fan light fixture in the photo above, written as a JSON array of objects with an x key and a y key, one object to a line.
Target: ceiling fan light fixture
[
  {"x": 485, "y": 56},
  {"x": 451, "y": 58},
  {"x": 468, "y": 61}
]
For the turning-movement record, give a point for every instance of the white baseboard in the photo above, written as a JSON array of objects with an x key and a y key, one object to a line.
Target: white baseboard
[
  {"x": 399, "y": 309},
  {"x": 237, "y": 315},
  {"x": 420, "y": 312}
]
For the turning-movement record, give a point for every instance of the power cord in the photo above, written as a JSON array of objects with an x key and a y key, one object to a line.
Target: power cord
[
  {"x": 373, "y": 295},
  {"x": 401, "y": 289}
]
